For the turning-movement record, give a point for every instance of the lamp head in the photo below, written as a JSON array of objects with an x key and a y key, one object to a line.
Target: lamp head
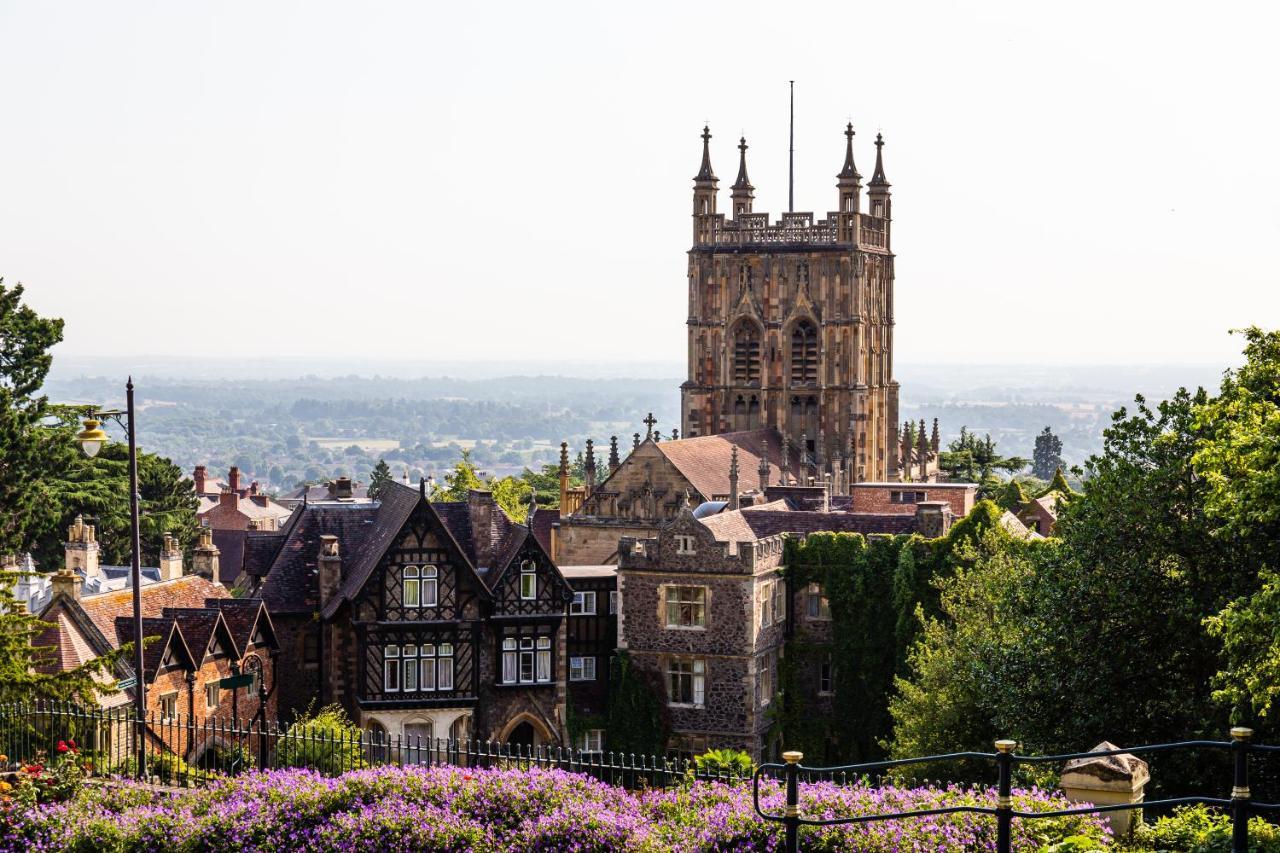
[{"x": 92, "y": 437}]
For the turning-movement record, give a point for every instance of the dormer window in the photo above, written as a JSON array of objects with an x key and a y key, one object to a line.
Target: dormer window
[{"x": 528, "y": 580}]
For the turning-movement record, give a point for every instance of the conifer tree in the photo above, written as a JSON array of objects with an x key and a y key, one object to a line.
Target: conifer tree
[
  {"x": 1047, "y": 455},
  {"x": 379, "y": 477}
]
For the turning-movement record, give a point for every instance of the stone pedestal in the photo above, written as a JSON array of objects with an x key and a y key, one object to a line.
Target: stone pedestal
[{"x": 1105, "y": 781}]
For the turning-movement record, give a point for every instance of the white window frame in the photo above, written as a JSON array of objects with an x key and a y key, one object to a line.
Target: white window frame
[
  {"x": 582, "y": 668},
  {"x": 212, "y": 696},
  {"x": 528, "y": 581},
  {"x": 526, "y": 660},
  {"x": 412, "y": 595},
  {"x": 677, "y": 597},
  {"x": 409, "y": 668},
  {"x": 390, "y": 669},
  {"x": 766, "y": 604},
  {"x": 430, "y": 586},
  {"x": 584, "y": 603},
  {"x": 444, "y": 667},
  {"x": 780, "y": 600},
  {"x": 613, "y": 602},
  {"x": 510, "y": 660},
  {"x": 695, "y": 671},
  {"x": 591, "y": 742},
  {"x": 169, "y": 706}
]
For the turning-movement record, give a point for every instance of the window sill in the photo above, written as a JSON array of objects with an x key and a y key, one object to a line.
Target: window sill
[
  {"x": 526, "y": 685},
  {"x": 686, "y": 706},
  {"x": 702, "y": 628}
]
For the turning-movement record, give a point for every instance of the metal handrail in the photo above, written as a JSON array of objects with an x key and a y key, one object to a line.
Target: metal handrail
[{"x": 1240, "y": 803}]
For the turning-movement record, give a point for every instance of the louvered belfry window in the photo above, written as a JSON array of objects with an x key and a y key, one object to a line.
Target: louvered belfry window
[
  {"x": 804, "y": 353},
  {"x": 746, "y": 354}
]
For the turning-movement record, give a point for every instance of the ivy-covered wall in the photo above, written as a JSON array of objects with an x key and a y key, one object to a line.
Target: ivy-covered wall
[{"x": 877, "y": 588}]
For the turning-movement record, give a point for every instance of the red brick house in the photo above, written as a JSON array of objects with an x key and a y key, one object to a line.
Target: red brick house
[
  {"x": 229, "y": 505},
  {"x": 197, "y": 634}
]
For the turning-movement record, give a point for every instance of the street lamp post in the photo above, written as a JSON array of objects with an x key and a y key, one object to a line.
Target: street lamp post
[{"x": 91, "y": 439}]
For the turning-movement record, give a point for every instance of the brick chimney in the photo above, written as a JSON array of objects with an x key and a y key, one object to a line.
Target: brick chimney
[
  {"x": 329, "y": 567},
  {"x": 204, "y": 558},
  {"x": 342, "y": 488},
  {"x": 81, "y": 549},
  {"x": 229, "y": 497},
  {"x": 170, "y": 559},
  {"x": 254, "y": 488},
  {"x": 199, "y": 476},
  {"x": 480, "y": 507},
  {"x": 233, "y": 479},
  {"x": 68, "y": 583}
]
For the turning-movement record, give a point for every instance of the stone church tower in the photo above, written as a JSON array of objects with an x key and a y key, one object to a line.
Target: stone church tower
[{"x": 791, "y": 323}]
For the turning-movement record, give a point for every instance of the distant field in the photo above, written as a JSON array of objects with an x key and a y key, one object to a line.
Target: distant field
[{"x": 371, "y": 445}]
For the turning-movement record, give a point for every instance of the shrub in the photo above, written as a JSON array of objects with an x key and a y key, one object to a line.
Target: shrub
[
  {"x": 326, "y": 741},
  {"x": 722, "y": 763},
  {"x": 1199, "y": 829}
]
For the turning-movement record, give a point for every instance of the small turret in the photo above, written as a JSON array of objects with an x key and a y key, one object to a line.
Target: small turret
[
  {"x": 763, "y": 471},
  {"x": 705, "y": 186},
  {"x": 614, "y": 462},
  {"x": 589, "y": 469},
  {"x": 564, "y": 474},
  {"x": 743, "y": 192},
  {"x": 878, "y": 188},
  {"x": 849, "y": 187}
]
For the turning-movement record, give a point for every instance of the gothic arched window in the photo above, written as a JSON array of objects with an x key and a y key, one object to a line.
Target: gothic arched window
[
  {"x": 746, "y": 354},
  {"x": 804, "y": 353}
]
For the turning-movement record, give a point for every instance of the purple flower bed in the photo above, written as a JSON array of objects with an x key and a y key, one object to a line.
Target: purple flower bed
[{"x": 446, "y": 808}]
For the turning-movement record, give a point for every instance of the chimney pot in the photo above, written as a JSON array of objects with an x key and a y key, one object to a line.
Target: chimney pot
[{"x": 68, "y": 583}]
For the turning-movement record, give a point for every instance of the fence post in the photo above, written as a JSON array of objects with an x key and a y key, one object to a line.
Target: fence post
[
  {"x": 1004, "y": 803},
  {"x": 1240, "y": 795},
  {"x": 792, "y": 815}
]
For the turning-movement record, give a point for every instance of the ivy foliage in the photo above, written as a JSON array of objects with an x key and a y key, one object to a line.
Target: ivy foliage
[
  {"x": 879, "y": 589},
  {"x": 637, "y": 718}
]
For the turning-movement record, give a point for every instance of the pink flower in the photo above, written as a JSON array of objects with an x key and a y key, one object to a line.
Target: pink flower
[{"x": 62, "y": 746}]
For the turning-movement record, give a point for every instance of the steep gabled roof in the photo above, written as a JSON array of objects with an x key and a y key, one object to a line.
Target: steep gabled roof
[
  {"x": 200, "y": 625},
  {"x": 153, "y": 653},
  {"x": 397, "y": 503},
  {"x": 246, "y": 617},
  {"x": 186, "y": 591}
]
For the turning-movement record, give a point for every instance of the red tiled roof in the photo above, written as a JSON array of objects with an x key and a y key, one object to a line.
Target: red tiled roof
[
  {"x": 186, "y": 591},
  {"x": 704, "y": 461}
]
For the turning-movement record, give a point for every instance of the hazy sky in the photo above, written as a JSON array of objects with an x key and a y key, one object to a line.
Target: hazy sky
[{"x": 1072, "y": 182}]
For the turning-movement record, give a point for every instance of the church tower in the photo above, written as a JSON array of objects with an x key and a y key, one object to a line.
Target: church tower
[{"x": 791, "y": 322}]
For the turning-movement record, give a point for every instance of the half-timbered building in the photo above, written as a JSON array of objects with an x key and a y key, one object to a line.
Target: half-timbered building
[{"x": 423, "y": 619}]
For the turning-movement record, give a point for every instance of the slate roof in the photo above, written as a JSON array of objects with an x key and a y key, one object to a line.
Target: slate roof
[
  {"x": 199, "y": 624},
  {"x": 152, "y": 653},
  {"x": 242, "y": 616},
  {"x": 704, "y": 461},
  {"x": 291, "y": 584},
  {"x": 771, "y": 519}
]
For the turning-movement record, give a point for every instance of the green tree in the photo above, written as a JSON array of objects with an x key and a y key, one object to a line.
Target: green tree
[
  {"x": 1047, "y": 456},
  {"x": 971, "y": 459},
  {"x": 379, "y": 478},
  {"x": 21, "y": 662},
  {"x": 326, "y": 741},
  {"x": 25, "y": 459},
  {"x": 457, "y": 483}
]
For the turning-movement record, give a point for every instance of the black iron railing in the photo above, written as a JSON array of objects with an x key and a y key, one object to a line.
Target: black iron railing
[
  {"x": 180, "y": 751},
  {"x": 1240, "y": 804}
]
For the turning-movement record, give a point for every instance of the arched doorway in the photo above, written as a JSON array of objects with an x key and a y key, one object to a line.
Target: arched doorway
[{"x": 522, "y": 736}]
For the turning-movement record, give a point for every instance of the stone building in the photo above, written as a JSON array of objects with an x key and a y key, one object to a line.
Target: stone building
[
  {"x": 423, "y": 619},
  {"x": 791, "y": 323},
  {"x": 705, "y": 605}
]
